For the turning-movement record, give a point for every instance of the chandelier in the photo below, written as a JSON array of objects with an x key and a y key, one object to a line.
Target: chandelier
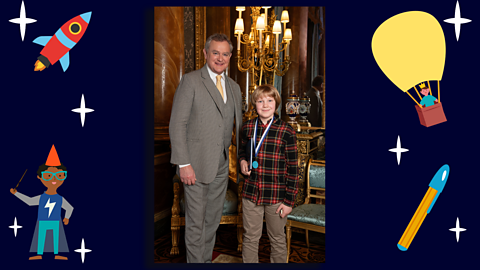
[{"x": 258, "y": 52}]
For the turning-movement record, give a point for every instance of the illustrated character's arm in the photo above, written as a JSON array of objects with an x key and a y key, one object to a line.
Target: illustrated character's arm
[
  {"x": 30, "y": 201},
  {"x": 422, "y": 102},
  {"x": 68, "y": 211}
]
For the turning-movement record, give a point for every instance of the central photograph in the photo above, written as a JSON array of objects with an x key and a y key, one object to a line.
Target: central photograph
[{"x": 239, "y": 128}]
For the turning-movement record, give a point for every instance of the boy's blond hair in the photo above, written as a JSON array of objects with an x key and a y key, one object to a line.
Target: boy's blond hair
[{"x": 266, "y": 90}]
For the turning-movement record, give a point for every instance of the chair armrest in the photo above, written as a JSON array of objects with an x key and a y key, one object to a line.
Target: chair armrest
[
  {"x": 241, "y": 180},
  {"x": 176, "y": 196},
  {"x": 176, "y": 179}
]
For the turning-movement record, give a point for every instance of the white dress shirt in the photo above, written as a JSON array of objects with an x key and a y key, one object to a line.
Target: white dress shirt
[{"x": 213, "y": 75}]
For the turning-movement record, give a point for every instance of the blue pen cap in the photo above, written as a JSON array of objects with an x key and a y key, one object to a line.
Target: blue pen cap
[{"x": 440, "y": 179}]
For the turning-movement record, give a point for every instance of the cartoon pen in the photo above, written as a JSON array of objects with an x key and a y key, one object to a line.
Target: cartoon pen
[{"x": 435, "y": 188}]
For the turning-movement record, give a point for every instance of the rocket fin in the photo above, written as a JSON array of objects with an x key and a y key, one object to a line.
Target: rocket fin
[
  {"x": 65, "y": 61},
  {"x": 43, "y": 40}
]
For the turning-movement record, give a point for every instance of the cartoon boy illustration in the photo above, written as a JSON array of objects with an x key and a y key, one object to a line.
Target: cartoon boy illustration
[
  {"x": 427, "y": 100},
  {"x": 49, "y": 234}
]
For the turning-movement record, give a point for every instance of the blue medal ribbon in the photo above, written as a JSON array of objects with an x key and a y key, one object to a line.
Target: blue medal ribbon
[{"x": 254, "y": 164}]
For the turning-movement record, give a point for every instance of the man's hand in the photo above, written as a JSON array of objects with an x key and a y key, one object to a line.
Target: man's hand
[
  {"x": 13, "y": 191},
  {"x": 65, "y": 221},
  {"x": 286, "y": 210},
  {"x": 244, "y": 167},
  {"x": 187, "y": 175}
]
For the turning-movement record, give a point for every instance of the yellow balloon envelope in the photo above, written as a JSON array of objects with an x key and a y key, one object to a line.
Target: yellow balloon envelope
[{"x": 410, "y": 48}]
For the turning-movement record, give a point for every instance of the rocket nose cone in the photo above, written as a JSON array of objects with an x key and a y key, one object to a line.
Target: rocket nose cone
[{"x": 86, "y": 16}]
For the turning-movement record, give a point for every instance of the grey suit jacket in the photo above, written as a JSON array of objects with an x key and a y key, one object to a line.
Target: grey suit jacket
[{"x": 195, "y": 128}]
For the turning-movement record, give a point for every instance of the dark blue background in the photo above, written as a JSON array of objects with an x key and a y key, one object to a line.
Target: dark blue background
[{"x": 110, "y": 160}]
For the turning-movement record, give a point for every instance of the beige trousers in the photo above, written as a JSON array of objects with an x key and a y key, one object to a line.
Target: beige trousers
[{"x": 252, "y": 225}]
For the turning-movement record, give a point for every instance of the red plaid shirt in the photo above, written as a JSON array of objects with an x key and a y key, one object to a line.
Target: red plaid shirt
[{"x": 276, "y": 178}]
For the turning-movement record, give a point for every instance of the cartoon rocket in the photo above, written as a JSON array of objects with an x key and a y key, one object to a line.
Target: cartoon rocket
[{"x": 58, "y": 47}]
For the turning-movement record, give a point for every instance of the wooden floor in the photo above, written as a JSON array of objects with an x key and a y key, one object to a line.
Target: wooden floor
[{"x": 226, "y": 243}]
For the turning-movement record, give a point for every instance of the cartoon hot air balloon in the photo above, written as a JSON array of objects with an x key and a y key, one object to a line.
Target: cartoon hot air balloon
[{"x": 410, "y": 49}]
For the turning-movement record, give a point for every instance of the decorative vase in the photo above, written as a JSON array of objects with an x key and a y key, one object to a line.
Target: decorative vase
[
  {"x": 291, "y": 108},
  {"x": 304, "y": 110}
]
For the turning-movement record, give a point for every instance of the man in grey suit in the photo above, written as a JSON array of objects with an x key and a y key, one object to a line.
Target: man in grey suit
[
  {"x": 205, "y": 105},
  {"x": 315, "y": 115}
]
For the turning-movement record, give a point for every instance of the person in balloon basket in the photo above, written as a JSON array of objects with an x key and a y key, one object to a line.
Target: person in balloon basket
[
  {"x": 52, "y": 174},
  {"x": 268, "y": 157},
  {"x": 427, "y": 100}
]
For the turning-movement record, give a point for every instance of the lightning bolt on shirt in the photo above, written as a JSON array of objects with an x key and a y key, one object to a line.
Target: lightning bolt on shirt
[{"x": 49, "y": 206}]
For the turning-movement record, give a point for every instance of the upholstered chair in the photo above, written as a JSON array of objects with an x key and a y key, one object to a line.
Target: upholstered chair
[{"x": 309, "y": 216}]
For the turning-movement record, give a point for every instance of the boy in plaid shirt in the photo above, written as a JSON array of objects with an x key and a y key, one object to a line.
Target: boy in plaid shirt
[{"x": 272, "y": 182}]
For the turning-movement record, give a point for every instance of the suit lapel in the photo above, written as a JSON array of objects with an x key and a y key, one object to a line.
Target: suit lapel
[
  {"x": 230, "y": 93},
  {"x": 212, "y": 89}
]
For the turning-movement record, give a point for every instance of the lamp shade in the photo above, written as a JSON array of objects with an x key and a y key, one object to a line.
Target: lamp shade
[
  {"x": 277, "y": 27},
  {"x": 261, "y": 23},
  {"x": 239, "y": 26},
  {"x": 284, "y": 18},
  {"x": 288, "y": 34},
  {"x": 240, "y": 8}
]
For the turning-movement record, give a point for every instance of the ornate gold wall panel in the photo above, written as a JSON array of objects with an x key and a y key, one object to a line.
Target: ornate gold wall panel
[
  {"x": 189, "y": 36},
  {"x": 200, "y": 31}
]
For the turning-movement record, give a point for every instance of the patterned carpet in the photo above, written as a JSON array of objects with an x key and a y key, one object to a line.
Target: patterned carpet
[{"x": 226, "y": 244}]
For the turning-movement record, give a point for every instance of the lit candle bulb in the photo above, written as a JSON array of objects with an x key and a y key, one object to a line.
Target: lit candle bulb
[
  {"x": 288, "y": 37},
  {"x": 240, "y": 9},
  {"x": 260, "y": 39},
  {"x": 277, "y": 29},
  {"x": 260, "y": 28},
  {"x": 239, "y": 30},
  {"x": 285, "y": 19},
  {"x": 266, "y": 15}
]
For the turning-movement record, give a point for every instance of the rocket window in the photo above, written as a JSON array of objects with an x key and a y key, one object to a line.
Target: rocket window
[{"x": 75, "y": 28}]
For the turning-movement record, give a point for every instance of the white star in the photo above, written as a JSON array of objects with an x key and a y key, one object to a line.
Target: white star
[
  {"x": 82, "y": 110},
  {"x": 457, "y": 229},
  {"x": 15, "y": 227},
  {"x": 458, "y": 20},
  {"x": 22, "y": 21},
  {"x": 398, "y": 150},
  {"x": 83, "y": 250}
]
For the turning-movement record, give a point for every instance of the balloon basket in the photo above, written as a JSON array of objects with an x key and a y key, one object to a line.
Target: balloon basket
[{"x": 431, "y": 115}]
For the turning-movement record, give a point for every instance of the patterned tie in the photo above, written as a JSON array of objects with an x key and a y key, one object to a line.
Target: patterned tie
[{"x": 219, "y": 85}]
